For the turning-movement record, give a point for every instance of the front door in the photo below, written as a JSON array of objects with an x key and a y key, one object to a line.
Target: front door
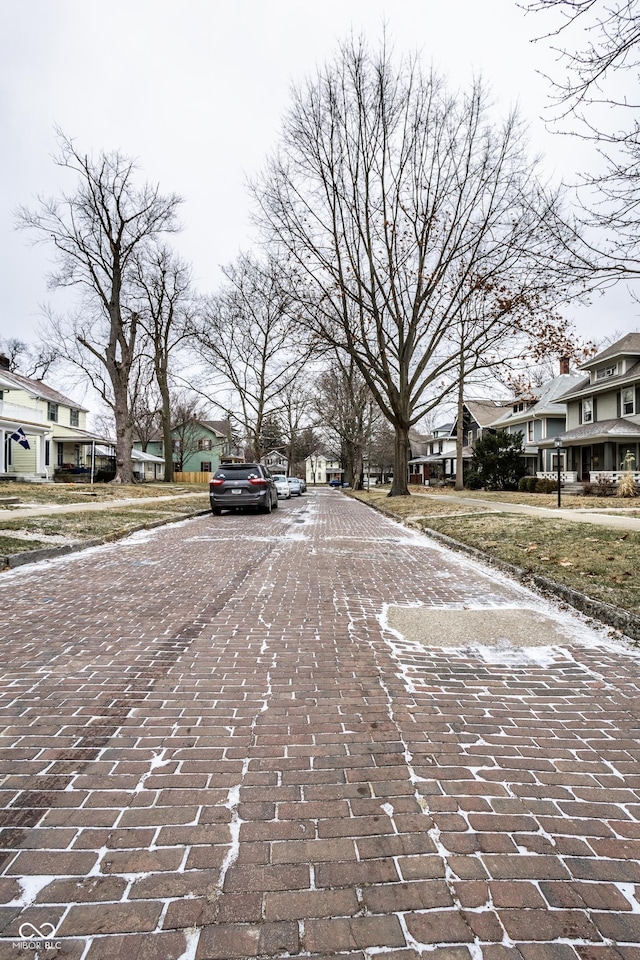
[{"x": 586, "y": 463}]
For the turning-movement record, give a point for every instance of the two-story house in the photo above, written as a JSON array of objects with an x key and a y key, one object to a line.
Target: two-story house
[
  {"x": 322, "y": 467},
  {"x": 433, "y": 456},
  {"x": 602, "y": 434},
  {"x": 199, "y": 446},
  {"x": 540, "y": 416},
  {"x": 41, "y": 430}
]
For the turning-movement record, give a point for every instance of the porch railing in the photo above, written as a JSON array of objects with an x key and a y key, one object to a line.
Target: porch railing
[
  {"x": 613, "y": 475},
  {"x": 566, "y": 476}
]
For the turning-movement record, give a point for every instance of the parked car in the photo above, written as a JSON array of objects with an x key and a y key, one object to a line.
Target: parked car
[
  {"x": 335, "y": 483},
  {"x": 238, "y": 485},
  {"x": 303, "y": 484},
  {"x": 282, "y": 486},
  {"x": 294, "y": 486}
]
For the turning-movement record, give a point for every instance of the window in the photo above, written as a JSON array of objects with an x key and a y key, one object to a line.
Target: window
[
  {"x": 470, "y": 438},
  {"x": 205, "y": 466},
  {"x": 74, "y": 417},
  {"x": 47, "y": 453},
  {"x": 530, "y": 431},
  {"x": 176, "y": 446},
  {"x": 205, "y": 444},
  {"x": 60, "y": 454},
  {"x": 587, "y": 411},
  {"x": 52, "y": 412},
  {"x": 628, "y": 401},
  {"x": 607, "y": 372}
]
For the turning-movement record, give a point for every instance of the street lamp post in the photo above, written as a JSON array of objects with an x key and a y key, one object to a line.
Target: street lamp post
[{"x": 558, "y": 446}]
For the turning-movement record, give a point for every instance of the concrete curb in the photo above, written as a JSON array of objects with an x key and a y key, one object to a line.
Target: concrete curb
[
  {"x": 627, "y": 623},
  {"x": 49, "y": 553}
]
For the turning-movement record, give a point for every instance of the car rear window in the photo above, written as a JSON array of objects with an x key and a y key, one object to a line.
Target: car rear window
[{"x": 238, "y": 473}]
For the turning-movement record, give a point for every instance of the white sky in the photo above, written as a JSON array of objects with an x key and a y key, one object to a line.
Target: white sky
[{"x": 195, "y": 90}]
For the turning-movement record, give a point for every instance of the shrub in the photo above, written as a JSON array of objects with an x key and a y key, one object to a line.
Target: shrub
[
  {"x": 527, "y": 484},
  {"x": 472, "y": 481},
  {"x": 546, "y": 486},
  {"x": 587, "y": 489},
  {"x": 497, "y": 459},
  {"x": 604, "y": 486}
]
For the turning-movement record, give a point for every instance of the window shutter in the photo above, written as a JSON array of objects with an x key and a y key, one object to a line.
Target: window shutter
[
  {"x": 594, "y": 413},
  {"x": 637, "y": 410},
  {"x": 619, "y": 403},
  {"x": 580, "y": 412}
]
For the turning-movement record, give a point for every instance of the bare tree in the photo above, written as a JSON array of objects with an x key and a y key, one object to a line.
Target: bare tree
[
  {"x": 97, "y": 230},
  {"x": 187, "y": 411},
  {"x": 396, "y": 202},
  {"x": 598, "y": 45},
  {"x": 162, "y": 284},
  {"x": 32, "y": 361},
  {"x": 245, "y": 337},
  {"x": 347, "y": 413}
]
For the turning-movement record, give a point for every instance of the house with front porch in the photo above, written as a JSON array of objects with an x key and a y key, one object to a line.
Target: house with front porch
[
  {"x": 322, "y": 467},
  {"x": 602, "y": 435},
  {"x": 42, "y": 432},
  {"x": 540, "y": 416},
  {"x": 199, "y": 446},
  {"x": 433, "y": 457}
]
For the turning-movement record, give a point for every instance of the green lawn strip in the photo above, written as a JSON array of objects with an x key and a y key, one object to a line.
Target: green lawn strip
[
  {"x": 9, "y": 545},
  {"x": 90, "y": 525},
  {"x": 598, "y": 562},
  {"x": 30, "y": 493},
  {"x": 411, "y": 507}
]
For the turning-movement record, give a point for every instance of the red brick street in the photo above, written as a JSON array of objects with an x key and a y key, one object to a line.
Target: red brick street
[{"x": 311, "y": 734}]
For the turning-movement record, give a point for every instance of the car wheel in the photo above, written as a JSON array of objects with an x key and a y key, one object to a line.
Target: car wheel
[
  {"x": 276, "y": 504},
  {"x": 216, "y": 511},
  {"x": 267, "y": 507}
]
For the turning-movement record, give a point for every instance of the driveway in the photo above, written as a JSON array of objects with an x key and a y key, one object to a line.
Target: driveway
[{"x": 315, "y": 734}]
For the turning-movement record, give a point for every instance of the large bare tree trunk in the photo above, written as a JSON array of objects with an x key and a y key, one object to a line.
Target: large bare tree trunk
[{"x": 399, "y": 487}]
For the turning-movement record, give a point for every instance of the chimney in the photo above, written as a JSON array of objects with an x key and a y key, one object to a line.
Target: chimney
[{"x": 564, "y": 364}]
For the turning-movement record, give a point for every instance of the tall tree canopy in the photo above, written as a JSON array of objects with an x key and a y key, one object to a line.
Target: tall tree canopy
[
  {"x": 97, "y": 231},
  {"x": 594, "y": 95},
  {"x": 398, "y": 205}
]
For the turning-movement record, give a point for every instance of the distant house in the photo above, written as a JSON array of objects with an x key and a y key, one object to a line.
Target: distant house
[
  {"x": 432, "y": 456},
  {"x": 199, "y": 446},
  {"x": 602, "y": 433},
  {"x": 322, "y": 467},
  {"x": 540, "y": 416},
  {"x": 275, "y": 462},
  {"x": 43, "y": 432}
]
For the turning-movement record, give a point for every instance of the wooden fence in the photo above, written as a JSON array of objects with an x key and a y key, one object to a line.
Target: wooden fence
[{"x": 192, "y": 477}]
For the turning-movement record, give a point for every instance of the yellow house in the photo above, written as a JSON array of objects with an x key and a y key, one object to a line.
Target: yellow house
[{"x": 41, "y": 430}]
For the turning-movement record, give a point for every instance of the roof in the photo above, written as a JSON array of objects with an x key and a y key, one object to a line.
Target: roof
[
  {"x": 586, "y": 386},
  {"x": 618, "y": 429},
  {"x": 630, "y": 344},
  {"x": 547, "y": 402},
  {"x": 485, "y": 412},
  {"x": 39, "y": 389}
]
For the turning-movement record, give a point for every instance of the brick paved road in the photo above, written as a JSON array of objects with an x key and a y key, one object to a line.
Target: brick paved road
[{"x": 215, "y": 747}]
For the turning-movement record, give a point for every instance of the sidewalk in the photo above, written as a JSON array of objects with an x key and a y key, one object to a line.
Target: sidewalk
[
  {"x": 617, "y": 520},
  {"x": 46, "y": 509}
]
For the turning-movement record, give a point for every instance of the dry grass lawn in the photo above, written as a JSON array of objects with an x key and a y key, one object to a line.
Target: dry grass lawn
[
  {"x": 36, "y": 493},
  {"x": 596, "y": 561}
]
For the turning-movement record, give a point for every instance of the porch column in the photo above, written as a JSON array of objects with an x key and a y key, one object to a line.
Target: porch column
[{"x": 3, "y": 443}]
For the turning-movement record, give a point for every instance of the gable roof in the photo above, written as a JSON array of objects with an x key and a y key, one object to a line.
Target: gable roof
[
  {"x": 38, "y": 388},
  {"x": 485, "y": 412},
  {"x": 629, "y": 344},
  {"x": 547, "y": 403}
]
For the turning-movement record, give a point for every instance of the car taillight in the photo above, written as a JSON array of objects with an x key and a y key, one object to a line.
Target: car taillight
[
  {"x": 258, "y": 481},
  {"x": 216, "y": 482}
]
